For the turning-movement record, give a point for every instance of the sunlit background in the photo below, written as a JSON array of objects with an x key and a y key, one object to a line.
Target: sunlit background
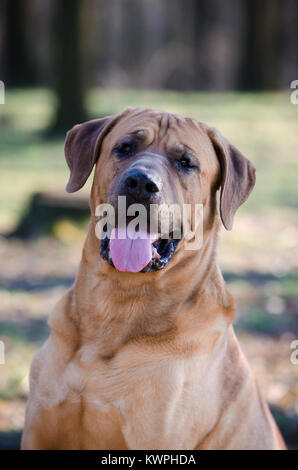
[{"x": 229, "y": 64}]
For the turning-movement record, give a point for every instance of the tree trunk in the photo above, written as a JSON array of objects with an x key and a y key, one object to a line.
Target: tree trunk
[
  {"x": 69, "y": 66},
  {"x": 262, "y": 47},
  {"x": 17, "y": 64}
]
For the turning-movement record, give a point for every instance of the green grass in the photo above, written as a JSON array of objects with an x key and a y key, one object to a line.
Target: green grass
[{"x": 262, "y": 125}]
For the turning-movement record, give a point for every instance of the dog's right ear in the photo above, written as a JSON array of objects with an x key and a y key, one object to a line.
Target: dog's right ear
[{"x": 82, "y": 147}]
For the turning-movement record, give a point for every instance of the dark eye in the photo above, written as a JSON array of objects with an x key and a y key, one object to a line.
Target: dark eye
[
  {"x": 124, "y": 149},
  {"x": 186, "y": 163}
]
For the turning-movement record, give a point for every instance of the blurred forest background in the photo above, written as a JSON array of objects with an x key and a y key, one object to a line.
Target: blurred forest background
[{"x": 229, "y": 63}]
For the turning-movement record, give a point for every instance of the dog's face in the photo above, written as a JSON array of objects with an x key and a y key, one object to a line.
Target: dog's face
[{"x": 154, "y": 160}]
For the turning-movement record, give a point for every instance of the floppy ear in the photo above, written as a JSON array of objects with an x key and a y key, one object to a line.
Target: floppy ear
[
  {"x": 82, "y": 147},
  {"x": 238, "y": 177}
]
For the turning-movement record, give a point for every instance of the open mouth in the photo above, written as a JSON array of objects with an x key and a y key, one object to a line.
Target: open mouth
[{"x": 144, "y": 254}]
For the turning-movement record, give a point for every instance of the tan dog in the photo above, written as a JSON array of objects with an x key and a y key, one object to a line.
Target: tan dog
[{"x": 149, "y": 360}]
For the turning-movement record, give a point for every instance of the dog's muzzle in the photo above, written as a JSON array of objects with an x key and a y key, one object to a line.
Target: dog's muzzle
[{"x": 144, "y": 251}]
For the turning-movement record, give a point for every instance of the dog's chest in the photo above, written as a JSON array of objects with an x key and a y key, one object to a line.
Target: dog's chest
[
  {"x": 87, "y": 411},
  {"x": 105, "y": 407}
]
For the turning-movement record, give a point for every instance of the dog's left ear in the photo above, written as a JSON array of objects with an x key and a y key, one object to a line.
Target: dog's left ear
[{"x": 238, "y": 177}]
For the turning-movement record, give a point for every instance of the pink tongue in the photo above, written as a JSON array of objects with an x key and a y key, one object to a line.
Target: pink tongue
[{"x": 130, "y": 254}]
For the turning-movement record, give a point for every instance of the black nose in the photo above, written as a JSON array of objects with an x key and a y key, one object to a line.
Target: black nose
[{"x": 140, "y": 185}]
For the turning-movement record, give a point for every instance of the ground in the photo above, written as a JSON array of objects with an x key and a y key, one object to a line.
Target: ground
[{"x": 259, "y": 258}]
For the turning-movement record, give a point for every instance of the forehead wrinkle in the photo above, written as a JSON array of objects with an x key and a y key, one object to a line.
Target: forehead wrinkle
[
  {"x": 172, "y": 142},
  {"x": 170, "y": 126},
  {"x": 164, "y": 124},
  {"x": 159, "y": 127},
  {"x": 178, "y": 135}
]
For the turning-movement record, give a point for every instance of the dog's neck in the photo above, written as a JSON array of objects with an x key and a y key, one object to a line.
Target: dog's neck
[{"x": 111, "y": 308}]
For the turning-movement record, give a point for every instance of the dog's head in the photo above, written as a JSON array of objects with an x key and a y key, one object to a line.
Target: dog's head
[{"x": 155, "y": 160}]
